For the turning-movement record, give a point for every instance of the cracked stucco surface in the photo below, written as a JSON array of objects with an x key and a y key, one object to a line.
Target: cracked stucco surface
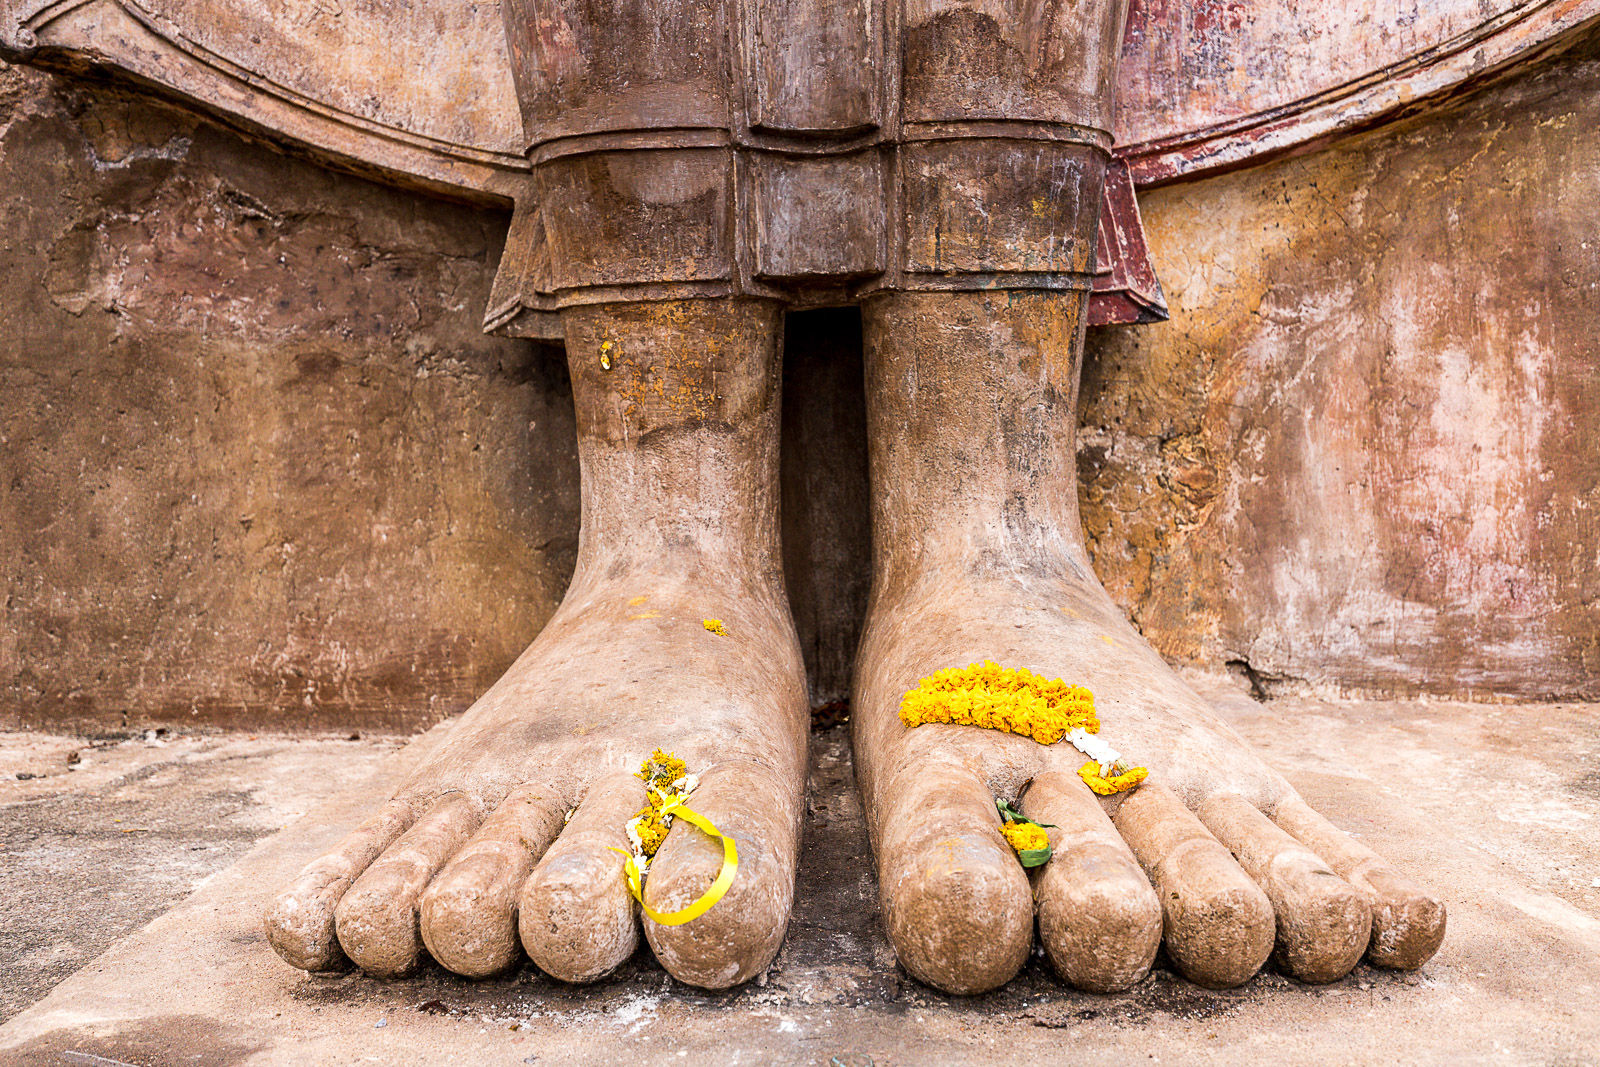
[
  {"x": 259, "y": 461},
  {"x": 1361, "y": 452}
]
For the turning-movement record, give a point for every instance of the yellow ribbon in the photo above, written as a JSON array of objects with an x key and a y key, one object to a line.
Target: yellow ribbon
[{"x": 719, "y": 888}]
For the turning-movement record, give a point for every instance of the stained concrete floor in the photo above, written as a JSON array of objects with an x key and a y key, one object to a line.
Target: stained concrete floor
[
  {"x": 98, "y": 837},
  {"x": 1496, "y": 806}
]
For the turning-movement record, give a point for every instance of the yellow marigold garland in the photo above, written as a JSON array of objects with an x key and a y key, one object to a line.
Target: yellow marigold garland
[
  {"x": 1000, "y": 698},
  {"x": 1017, "y": 701},
  {"x": 1116, "y": 783}
]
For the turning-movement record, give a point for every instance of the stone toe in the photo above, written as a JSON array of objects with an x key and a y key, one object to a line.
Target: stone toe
[
  {"x": 1218, "y": 925},
  {"x": 575, "y": 917},
  {"x": 469, "y": 910},
  {"x": 1407, "y": 922},
  {"x": 1099, "y": 919},
  {"x": 737, "y": 938},
  {"x": 377, "y": 920},
  {"x": 1322, "y": 922},
  {"x": 300, "y": 922}
]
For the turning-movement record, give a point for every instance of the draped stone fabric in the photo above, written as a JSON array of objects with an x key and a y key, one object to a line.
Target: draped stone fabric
[{"x": 806, "y": 150}]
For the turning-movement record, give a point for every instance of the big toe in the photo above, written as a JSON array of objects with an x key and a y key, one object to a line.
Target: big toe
[
  {"x": 737, "y": 936},
  {"x": 959, "y": 908}
]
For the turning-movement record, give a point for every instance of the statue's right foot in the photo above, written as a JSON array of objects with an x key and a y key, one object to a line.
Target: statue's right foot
[{"x": 677, "y": 412}]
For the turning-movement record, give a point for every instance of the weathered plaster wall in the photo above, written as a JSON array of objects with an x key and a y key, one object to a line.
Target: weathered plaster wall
[
  {"x": 258, "y": 465},
  {"x": 1364, "y": 450},
  {"x": 257, "y": 461}
]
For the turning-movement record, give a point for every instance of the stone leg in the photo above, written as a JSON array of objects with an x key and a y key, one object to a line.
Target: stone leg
[
  {"x": 978, "y": 553},
  {"x": 678, "y": 440}
]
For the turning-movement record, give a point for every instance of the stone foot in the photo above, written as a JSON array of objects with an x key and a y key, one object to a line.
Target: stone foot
[
  {"x": 978, "y": 555},
  {"x": 475, "y": 856}
]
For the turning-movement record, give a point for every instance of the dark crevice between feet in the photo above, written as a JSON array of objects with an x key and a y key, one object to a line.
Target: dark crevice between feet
[
  {"x": 827, "y": 716},
  {"x": 826, "y": 530}
]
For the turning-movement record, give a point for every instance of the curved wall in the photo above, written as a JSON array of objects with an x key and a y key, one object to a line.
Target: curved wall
[
  {"x": 259, "y": 467},
  {"x": 1364, "y": 450}
]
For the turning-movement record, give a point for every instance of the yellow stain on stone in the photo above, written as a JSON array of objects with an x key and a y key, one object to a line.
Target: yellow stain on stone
[
  {"x": 636, "y": 601},
  {"x": 682, "y": 383},
  {"x": 715, "y": 626}
]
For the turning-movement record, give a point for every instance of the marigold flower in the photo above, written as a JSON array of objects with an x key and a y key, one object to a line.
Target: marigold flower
[
  {"x": 1117, "y": 783},
  {"x": 666, "y": 779},
  {"x": 651, "y": 829},
  {"x": 715, "y": 626},
  {"x": 661, "y": 769},
  {"x": 1014, "y": 700},
  {"x": 1024, "y": 836}
]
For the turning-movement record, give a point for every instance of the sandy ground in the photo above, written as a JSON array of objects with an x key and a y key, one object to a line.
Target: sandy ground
[{"x": 1496, "y": 806}]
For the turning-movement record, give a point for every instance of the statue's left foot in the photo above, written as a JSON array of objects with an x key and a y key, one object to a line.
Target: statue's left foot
[
  {"x": 1240, "y": 865},
  {"x": 978, "y": 555}
]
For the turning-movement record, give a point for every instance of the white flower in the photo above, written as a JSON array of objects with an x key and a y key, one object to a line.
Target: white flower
[
  {"x": 1096, "y": 749},
  {"x": 633, "y": 835}
]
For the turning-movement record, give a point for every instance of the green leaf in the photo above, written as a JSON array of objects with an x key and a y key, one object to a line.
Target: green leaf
[
  {"x": 1034, "y": 857},
  {"x": 1010, "y": 814}
]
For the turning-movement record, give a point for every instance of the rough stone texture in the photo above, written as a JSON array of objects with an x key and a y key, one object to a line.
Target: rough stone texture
[
  {"x": 1360, "y": 453},
  {"x": 678, "y": 432},
  {"x": 259, "y": 463},
  {"x": 1514, "y": 983}
]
